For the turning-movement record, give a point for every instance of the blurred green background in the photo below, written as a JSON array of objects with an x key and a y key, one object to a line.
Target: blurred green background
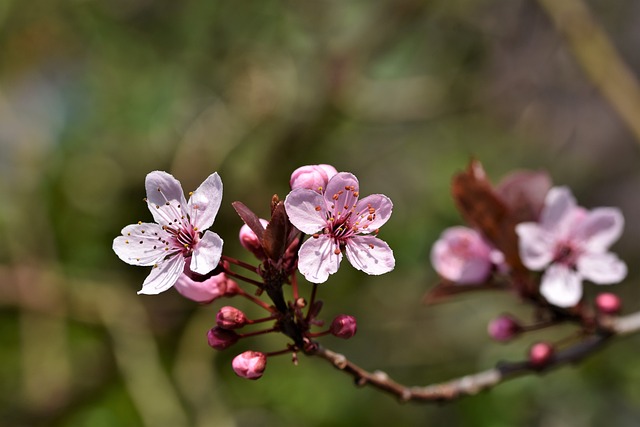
[{"x": 94, "y": 94}]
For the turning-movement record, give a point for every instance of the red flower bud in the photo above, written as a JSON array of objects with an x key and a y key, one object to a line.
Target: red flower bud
[
  {"x": 250, "y": 364},
  {"x": 230, "y": 318},
  {"x": 220, "y": 338},
  {"x": 504, "y": 328},
  {"x": 344, "y": 326}
]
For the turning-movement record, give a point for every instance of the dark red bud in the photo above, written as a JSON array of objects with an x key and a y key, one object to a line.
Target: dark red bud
[
  {"x": 230, "y": 318},
  {"x": 344, "y": 326},
  {"x": 504, "y": 328},
  {"x": 220, "y": 338}
]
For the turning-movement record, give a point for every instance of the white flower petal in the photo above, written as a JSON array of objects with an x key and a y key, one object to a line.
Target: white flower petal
[
  {"x": 207, "y": 253},
  {"x": 317, "y": 259},
  {"x": 162, "y": 188},
  {"x": 556, "y": 213},
  {"x": 600, "y": 229},
  {"x": 141, "y": 244},
  {"x": 381, "y": 206},
  {"x": 536, "y": 245},
  {"x": 370, "y": 254},
  {"x": 561, "y": 286},
  {"x": 602, "y": 269},
  {"x": 205, "y": 202},
  {"x": 306, "y": 210},
  {"x": 163, "y": 276}
]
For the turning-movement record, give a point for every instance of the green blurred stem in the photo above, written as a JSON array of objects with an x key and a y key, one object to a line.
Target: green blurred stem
[{"x": 598, "y": 57}]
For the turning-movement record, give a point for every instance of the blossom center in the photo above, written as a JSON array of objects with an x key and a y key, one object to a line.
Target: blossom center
[
  {"x": 183, "y": 238},
  {"x": 566, "y": 253}
]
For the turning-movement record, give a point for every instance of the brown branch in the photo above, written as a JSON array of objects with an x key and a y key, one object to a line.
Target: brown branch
[{"x": 472, "y": 384}]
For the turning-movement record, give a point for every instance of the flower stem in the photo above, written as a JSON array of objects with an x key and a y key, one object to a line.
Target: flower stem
[
  {"x": 256, "y": 301},
  {"x": 243, "y": 278},
  {"x": 312, "y": 299},
  {"x": 239, "y": 263}
]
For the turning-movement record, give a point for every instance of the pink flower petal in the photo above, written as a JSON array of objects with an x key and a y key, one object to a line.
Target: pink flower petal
[
  {"x": 317, "y": 259},
  {"x": 306, "y": 210},
  {"x": 602, "y": 269},
  {"x": 556, "y": 214},
  {"x": 600, "y": 229},
  {"x": 536, "y": 245},
  {"x": 207, "y": 253},
  {"x": 462, "y": 256},
  {"x": 370, "y": 254},
  {"x": 163, "y": 276},
  {"x": 205, "y": 291},
  {"x": 205, "y": 202},
  {"x": 381, "y": 206},
  {"x": 161, "y": 188},
  {"x": 341, "y": 194},
  {"x": 139, "y": 244},
  {"x": 561, "y": 286}
]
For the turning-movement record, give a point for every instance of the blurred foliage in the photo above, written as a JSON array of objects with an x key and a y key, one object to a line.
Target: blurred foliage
[{"x": 95, "y": 94}]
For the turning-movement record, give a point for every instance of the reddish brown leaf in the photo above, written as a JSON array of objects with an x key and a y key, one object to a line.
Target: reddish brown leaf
[
  {"x": 524, "y": 193},
  {"x": 483, "y": 209},
  {"x": 249, "y": 218},
  {"x": 276, "y": 235}
]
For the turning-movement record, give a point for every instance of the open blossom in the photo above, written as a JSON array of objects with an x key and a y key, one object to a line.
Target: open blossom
[
  {"x": 462, "y": 256},
  {"x": 571, "y": 244},
  {"x": 177, "y": 234},
  {"x": 339, "y": 222}
]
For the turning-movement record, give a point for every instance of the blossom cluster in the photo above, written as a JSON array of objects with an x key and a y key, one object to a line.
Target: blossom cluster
[
  {"x": 523, "y": 235},
  {"x": 323, "y": 204},
  {"x": 533, "y": 239}
]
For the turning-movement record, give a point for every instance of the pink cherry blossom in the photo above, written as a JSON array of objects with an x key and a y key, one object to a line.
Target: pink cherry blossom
[
  {"x": 571, "y": 244},
  {"x": 177, "y": 234},
  {"x": 339, "y": 222},
  {"x": 462, "y": 256},
  {"x": 312, "y": 177}
]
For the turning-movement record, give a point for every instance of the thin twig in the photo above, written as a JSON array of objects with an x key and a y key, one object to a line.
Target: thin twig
[{"x": 472, "y": 384}]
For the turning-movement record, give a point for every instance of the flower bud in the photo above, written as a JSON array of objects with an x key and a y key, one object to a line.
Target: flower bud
[
  {"x": 220, "y": 338},
  {"x": 504, "y": 328},
  {"x": 250, "y": 241},
  {"x": 608, "y": 303},
  {"x": 462, "y": 256},
  {"x": 343, "y": 326},
  {"x": 204, "y": 291},
  {"x": 230, "y": 318},
  {"x": 312, "y": 177},
  {"x": 540, "y": 354},
  {"x": 250, "y": 364}
]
